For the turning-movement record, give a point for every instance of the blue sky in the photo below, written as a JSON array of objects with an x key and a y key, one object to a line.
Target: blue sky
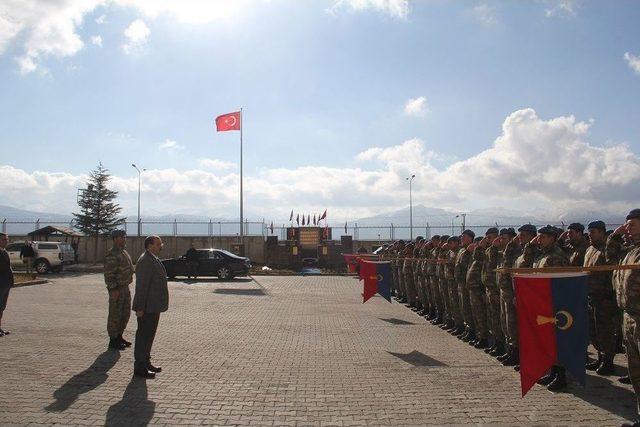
[{"x": 325, "y": 87}]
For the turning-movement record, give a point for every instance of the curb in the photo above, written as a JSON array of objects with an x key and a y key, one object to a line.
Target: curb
[{"x": 30, "y": 283}]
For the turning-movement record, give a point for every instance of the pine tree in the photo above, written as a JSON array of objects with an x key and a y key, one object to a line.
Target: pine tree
[{"x": 98, "y": 209}]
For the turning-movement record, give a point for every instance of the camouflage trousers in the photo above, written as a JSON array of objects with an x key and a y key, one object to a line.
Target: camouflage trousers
[
  {"x": 477, "y": 298},
  {"x": 454, "y": 302},
  {"x": 119, "y": 311},
  {"x": 604, "y": 316},
  {"x": 631, "y": 330},
  {"x": 394, "y": 278},
  {"x": 409, "y": 286},
  {"x": 434, "y": 290},
  {"x": 399, "y": 283},
  {"x": 493, "y": 313},
  {"x": 444, "y": 296},
  {"x": 427, "y": 298},
  {"x": 508, "y": 317},
  {"x": 465, "y": 305},
  {"x": 418, "y": 279}
]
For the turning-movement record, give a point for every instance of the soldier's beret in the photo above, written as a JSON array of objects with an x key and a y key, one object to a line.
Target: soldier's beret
[
  {"x": 549, "y": 229},
  {"x": 492, "y": 230},
  {"x": 453, "y": 239},
  {"x": 444, "y": 237},
  {"x": 477, "y": 239},
  {"x": 509, "y": 230},
  {"x": 436, "y": 237},
  {"x": 419, "y": 238},
  {"x": 528, "y": 228},
  {"x": 597, "y": 224},
  {"x": 469, "y": 233},
  {"x": 118, "y": 233},
  {"x": 576, "y": 226},
  {"x": 634, "y": 213}
]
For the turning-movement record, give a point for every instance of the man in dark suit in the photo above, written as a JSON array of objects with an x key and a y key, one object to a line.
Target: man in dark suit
[
  {"x": 151, "y": 299},
  {"x": 6, "y": 278}
]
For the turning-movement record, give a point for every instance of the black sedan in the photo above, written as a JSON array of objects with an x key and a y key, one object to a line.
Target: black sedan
[{"x": 211, "y": 262}]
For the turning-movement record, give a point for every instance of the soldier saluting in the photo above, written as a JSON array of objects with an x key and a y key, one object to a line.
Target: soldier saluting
[{"x": 118, "y": 274}]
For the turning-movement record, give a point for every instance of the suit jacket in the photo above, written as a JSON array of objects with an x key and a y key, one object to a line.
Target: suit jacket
[
  {"x": 6, "y": 274},
  {"x": 152, "y": 293}
]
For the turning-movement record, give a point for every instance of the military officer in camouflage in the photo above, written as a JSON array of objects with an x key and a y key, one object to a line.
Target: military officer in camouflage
[
  {"x": 453, "y": 243},
  {"x": 603, "y": 309},
  {"x": 491, "y": 261},
  {"x": 118, "y": 274},
  {"x": 627, "y": 286},
  {"x": 463, "y": 261},
  {"x": 574, "y": 244},
  {"x": 477, "y": 294}
]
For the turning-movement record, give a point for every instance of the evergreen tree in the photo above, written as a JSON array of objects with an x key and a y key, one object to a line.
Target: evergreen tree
[{"x": 98, "y": 209}]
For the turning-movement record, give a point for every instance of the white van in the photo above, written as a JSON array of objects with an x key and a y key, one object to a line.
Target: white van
[{"x": 50, "y": 256}]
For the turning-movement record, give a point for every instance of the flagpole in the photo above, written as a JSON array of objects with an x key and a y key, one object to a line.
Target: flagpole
[{"x": 241, "y": 213}]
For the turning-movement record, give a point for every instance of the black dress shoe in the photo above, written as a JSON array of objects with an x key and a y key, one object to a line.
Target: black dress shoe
[
  {"x": 592, "y": 366},
  {"x": 123, "y": 341},
  {"x": 516, "y": 368},
  {"x": 513, "y": 359},
  {"x": 625, "y": 379},
  {"x": 143, "y": 374},
  {"x": 547, "y": 379},
  {"x": 481, "y": 343},
  {"x": 635, "y": 423},
  {"x": 154, "y": 369},
  {"x": 559, "y": 384},
  {"x": 115, "y": 344}
]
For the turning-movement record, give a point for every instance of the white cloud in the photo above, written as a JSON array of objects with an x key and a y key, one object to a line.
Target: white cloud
[
  {"x": 562, "y": 8},
  {"x": 416, "y": 107},
  {"x": 633, "y": 61},
  {"x": 188, "y": 11},
  {"x": 395, "y": 8},
  {"x": 137, "y": 34},
  {"x": 216, "y": 164},
  {"x": 485, "y": 14},
  {"x": 532, "y": 163},
  {"x": 96, "y": 40},
  {"x": 170, "y": 146},
  {"x": 101, "y": 19}
]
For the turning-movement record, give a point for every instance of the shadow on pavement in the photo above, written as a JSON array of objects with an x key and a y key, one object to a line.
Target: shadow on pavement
[
  {"x": 83, "y": 382},
  {"x": 135, "y": 408},
  {"x": 608, "y": 396},
  {"x": 212, "y": 280}
]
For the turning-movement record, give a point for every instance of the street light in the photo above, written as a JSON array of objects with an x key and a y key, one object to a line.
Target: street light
[
  {"x": 452, "y": 231},
  {"x": 410, "y": 208},
  {"x": 139, "y": 180}
]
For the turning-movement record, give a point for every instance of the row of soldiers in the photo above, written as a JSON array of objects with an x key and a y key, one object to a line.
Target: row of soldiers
[{"x": 459, "y": 283}]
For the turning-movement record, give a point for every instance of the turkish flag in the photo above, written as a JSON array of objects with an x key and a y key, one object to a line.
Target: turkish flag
[{"x": 229, "y": 121}]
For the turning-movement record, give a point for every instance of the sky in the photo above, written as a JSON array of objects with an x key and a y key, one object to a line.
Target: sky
[{"x": 528, "y": 105}]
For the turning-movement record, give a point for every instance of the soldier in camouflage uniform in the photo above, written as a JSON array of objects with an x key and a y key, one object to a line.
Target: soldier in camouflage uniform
[
  {"x": 118, "y": 274},
  {"x": 423, "y": 291},
  {"x": 463, "y": 261},
  {"x": 447, "y": 321},
  {"x": 452, "y": 287},
  {"x": 603, "y": 310},
  {"x": 544, "y": 252},
  {"x": 437, "y": 315},
  {"x": 491, "y": 261},
  {"x": 407, "y": 275},
  {"x": 477, "y": 294},
  {"x": 627, "y": 287},
  {"x": 399, "y": 250},
  {"x": 511, "y": 247},
  {"x": 417, "y": 291},
  {"x": 573, "y": 243}
]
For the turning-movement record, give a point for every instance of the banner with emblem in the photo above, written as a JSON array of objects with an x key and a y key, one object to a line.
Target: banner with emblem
[
  {"x": 376, "y": 276},
  {"x": 552, "y": 323}
]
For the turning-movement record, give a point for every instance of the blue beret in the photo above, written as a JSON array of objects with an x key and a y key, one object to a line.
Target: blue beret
[
  {"x": 509, "y": 230},
  {"x": 492, "y": 230},
  {"x": 576, "y": 226},
  {"x": 597, "y": 224},
  {"x": 549, "y": 229},
  {"x": 529, "y": 228}
]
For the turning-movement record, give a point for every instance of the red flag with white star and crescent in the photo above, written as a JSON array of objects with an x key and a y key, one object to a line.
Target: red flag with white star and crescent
[{"x": 230, "y": 121}]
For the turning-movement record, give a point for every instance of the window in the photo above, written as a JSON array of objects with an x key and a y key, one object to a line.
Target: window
[
  {"x": 14, "y": 247},
  {"x": 47, "y": 246}
]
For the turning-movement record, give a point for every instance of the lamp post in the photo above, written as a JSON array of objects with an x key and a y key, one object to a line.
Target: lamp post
[
  {"x": 139, "y": 182},
  {"x": 452, "y": 231},
  {"x": 410, "y": 208}
]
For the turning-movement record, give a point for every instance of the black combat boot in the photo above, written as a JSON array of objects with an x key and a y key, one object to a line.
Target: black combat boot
[
  {"x": 624, "y": 380},
  {"x": 547, "y": 379},
  {"x": 471, "y": 337},
  {"x": 606, "y": 367},
  {"x": 154, "y": 369},
  {"x": 498, "y": 350},
  {"x": 513, "y": 359},
  {"x": 116, "y": 344},
  {"x": 123, "y": 341},
  {"x": 506, "y": 354},
  {"x": 559, "y": 384},
  {"x": 592, "y": 366},
  {"x": 481, "y": 343}
]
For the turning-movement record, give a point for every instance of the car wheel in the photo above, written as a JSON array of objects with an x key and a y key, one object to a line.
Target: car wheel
[
  {"x": 224, "y": 273},
  {"x": 42, "y": 266}
]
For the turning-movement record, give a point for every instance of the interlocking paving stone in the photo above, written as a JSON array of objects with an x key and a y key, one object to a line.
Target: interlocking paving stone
[{"x": 308, "y": 352}]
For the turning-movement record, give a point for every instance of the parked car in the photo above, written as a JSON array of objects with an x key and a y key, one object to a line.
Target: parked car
[
  {"x": 211, "y": 262},
  {"x": 50, "y": 256}
]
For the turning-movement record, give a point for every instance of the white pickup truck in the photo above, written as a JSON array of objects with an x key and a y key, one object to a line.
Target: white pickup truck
[{"x": 50, "y": 256}]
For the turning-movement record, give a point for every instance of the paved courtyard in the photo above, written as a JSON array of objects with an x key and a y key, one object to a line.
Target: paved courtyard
[{"x": 267, "y": 351}]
